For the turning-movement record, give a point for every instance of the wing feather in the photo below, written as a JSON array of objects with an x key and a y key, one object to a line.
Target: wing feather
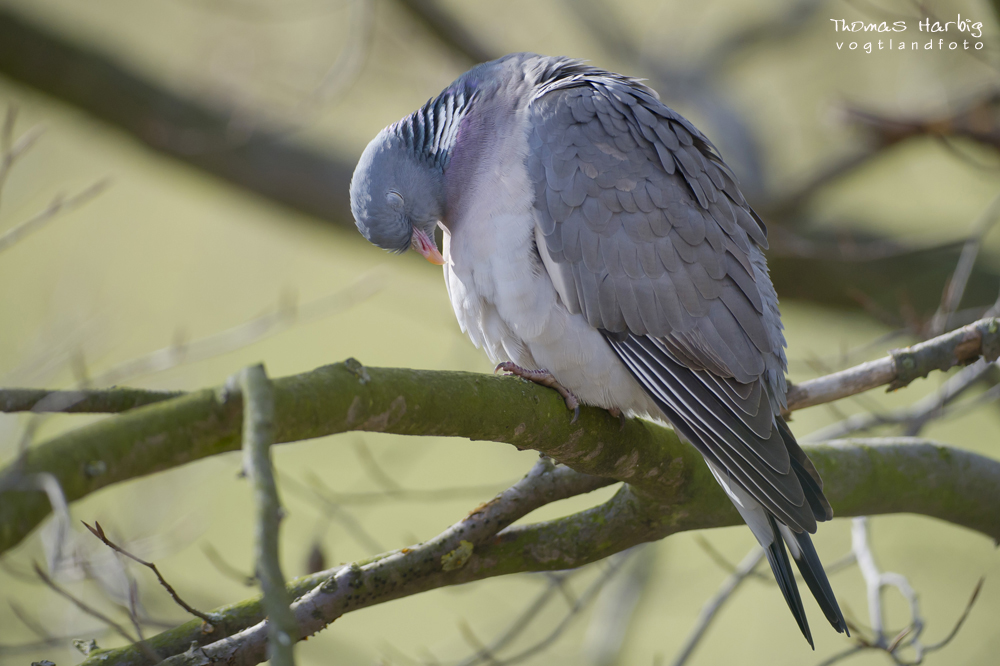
[{"x": 650, "y": 239}]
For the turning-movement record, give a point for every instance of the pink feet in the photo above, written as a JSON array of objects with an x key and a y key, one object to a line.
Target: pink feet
[{"x": 542, "y": 378}]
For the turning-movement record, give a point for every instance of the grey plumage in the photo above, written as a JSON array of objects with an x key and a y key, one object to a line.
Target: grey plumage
[{"x": 594, "y": 232}]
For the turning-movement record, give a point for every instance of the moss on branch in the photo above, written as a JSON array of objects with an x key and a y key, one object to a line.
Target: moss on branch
[
  {"x": 862, "y": 478},
  {"x": 348, "y": 396},
  {"x": 342, "y": 397}
]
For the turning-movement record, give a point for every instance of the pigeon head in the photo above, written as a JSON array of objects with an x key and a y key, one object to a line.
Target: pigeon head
[{"x": 397, "y": 196}]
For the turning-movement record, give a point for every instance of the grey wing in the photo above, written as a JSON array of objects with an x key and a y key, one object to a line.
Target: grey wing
[{"x": 644, "y": 231}]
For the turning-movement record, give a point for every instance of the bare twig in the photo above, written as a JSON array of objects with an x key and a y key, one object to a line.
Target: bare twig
[
  {"x": 93, "y": 612},
  {"x": 383, "y": 577},
  {"x": 485, "y": 653},
  {"x": 287, "y": 313},
  {"x": 726, "y": 565},
  {"x": 333, "y": 511},
  {"x": 615, "y": 609},
  {"x": 61, "y": 203},
  {"x": 960, "y": 278},
  {"x": 613, "y": 567},
  {"x": 258, "y": 435},
  {"x": 98, "y": 532},
  {"x": 875, "y": 582},
  {"x": 978, "y": 120},
  {"x": 961, "y": 619},
  {"x": 225, "y": 568},
  {"x": 915, "y": 416},
  {"x": 11, "y": 150},
  {"x": 48, "y": 484},
  {"x": 902, "y": 366},
  {"x": 710, "y": 610}
]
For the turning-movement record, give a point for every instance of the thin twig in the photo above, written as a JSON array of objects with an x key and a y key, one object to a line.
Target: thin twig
[
  {"x": 93, "y": 612},
  {"x": 59, "y": 204},
  {"x": 333, "y": 511},
  {"x": 98, "y": 532},
  {"x": 614, "y": 566},
  {"x": 726, "y": 565},
  {"x": 961, "y": 619},
  {"x": 955, "y": 288},
  {"x": 225, "y": 568},
  {"x": 385, "y": 576},
  {"x": 258, "y": 435},
  {"x": 521, "y": 622},
  {"x": 712, "y": 607},
  {"x": 915, "y": 416},
  {"x": 902, "y": 366},
  {"x": 615, "y": 609}
]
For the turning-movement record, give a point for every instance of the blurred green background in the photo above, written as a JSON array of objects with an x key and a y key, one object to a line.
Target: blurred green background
[{"x": 169, "y": 253}]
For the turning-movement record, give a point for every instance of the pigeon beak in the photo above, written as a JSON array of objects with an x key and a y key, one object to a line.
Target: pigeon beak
[{"x": 425, "y": 245}]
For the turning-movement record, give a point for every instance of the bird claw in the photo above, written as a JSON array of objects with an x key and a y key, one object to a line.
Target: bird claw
[{"x": 542, "y": 378}]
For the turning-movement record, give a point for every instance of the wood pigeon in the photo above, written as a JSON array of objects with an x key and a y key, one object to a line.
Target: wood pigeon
[{"x": 595, "y": 241}]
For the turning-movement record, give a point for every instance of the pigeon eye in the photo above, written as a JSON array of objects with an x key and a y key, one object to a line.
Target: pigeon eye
[{"x": 394, "y": 199}]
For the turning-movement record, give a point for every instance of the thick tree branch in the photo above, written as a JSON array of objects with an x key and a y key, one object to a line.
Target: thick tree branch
[
  {"x": 349, "y": 396},
  {"x": 862, "y": 478}
]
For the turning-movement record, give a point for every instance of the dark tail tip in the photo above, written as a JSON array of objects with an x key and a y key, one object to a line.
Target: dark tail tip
[
  {"x": 812, "y": 572},
  {"x": 777, "y": 557}
]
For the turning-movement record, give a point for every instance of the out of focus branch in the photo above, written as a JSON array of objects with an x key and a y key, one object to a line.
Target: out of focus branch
[
  {"x": 447, "y": 30},
  {"x": 269, "y": 163},
  {"x": 711, "y": 608},
  {"x": 468, "y": 550},
  {"x": 978, "y": 120},
  {"x": 85, "y": 401},
  {"x": 265, "y": 162},
  {"x": 60, "y": 204}
]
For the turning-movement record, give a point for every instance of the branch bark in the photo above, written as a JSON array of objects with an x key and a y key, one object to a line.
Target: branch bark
[
  {"x": 258, "y": 434},
  {"x": 902, "y": 366},
  {"x": 349, "y": 396},
  {"x": 862, "y": 478}
]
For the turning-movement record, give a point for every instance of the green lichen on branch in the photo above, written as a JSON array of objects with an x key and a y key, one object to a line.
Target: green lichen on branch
[
  {"x": 862, "y": 478},
  {"x": 335, "y": 399}
]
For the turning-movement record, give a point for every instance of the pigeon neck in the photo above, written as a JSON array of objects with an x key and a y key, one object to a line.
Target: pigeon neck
[{"x": 430, "y": 131}]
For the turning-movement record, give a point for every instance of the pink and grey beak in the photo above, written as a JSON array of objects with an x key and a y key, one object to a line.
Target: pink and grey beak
[{"x": 425, "y": 245}]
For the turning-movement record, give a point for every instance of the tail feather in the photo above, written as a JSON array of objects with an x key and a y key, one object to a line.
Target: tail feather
[
  {"x": 782, "y": 569},
  {"x": 815, "y": 577}
]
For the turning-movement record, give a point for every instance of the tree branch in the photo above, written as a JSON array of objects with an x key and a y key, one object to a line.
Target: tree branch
[
  {"x": 265, "y": 161},
  {"x": 902, "y": 366},
  {"x": 85, "y": 401},
  {"x": 258, "y": 435},
  {"x": 348, "y": 396},
  {"x": 862, "y": 478}
]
